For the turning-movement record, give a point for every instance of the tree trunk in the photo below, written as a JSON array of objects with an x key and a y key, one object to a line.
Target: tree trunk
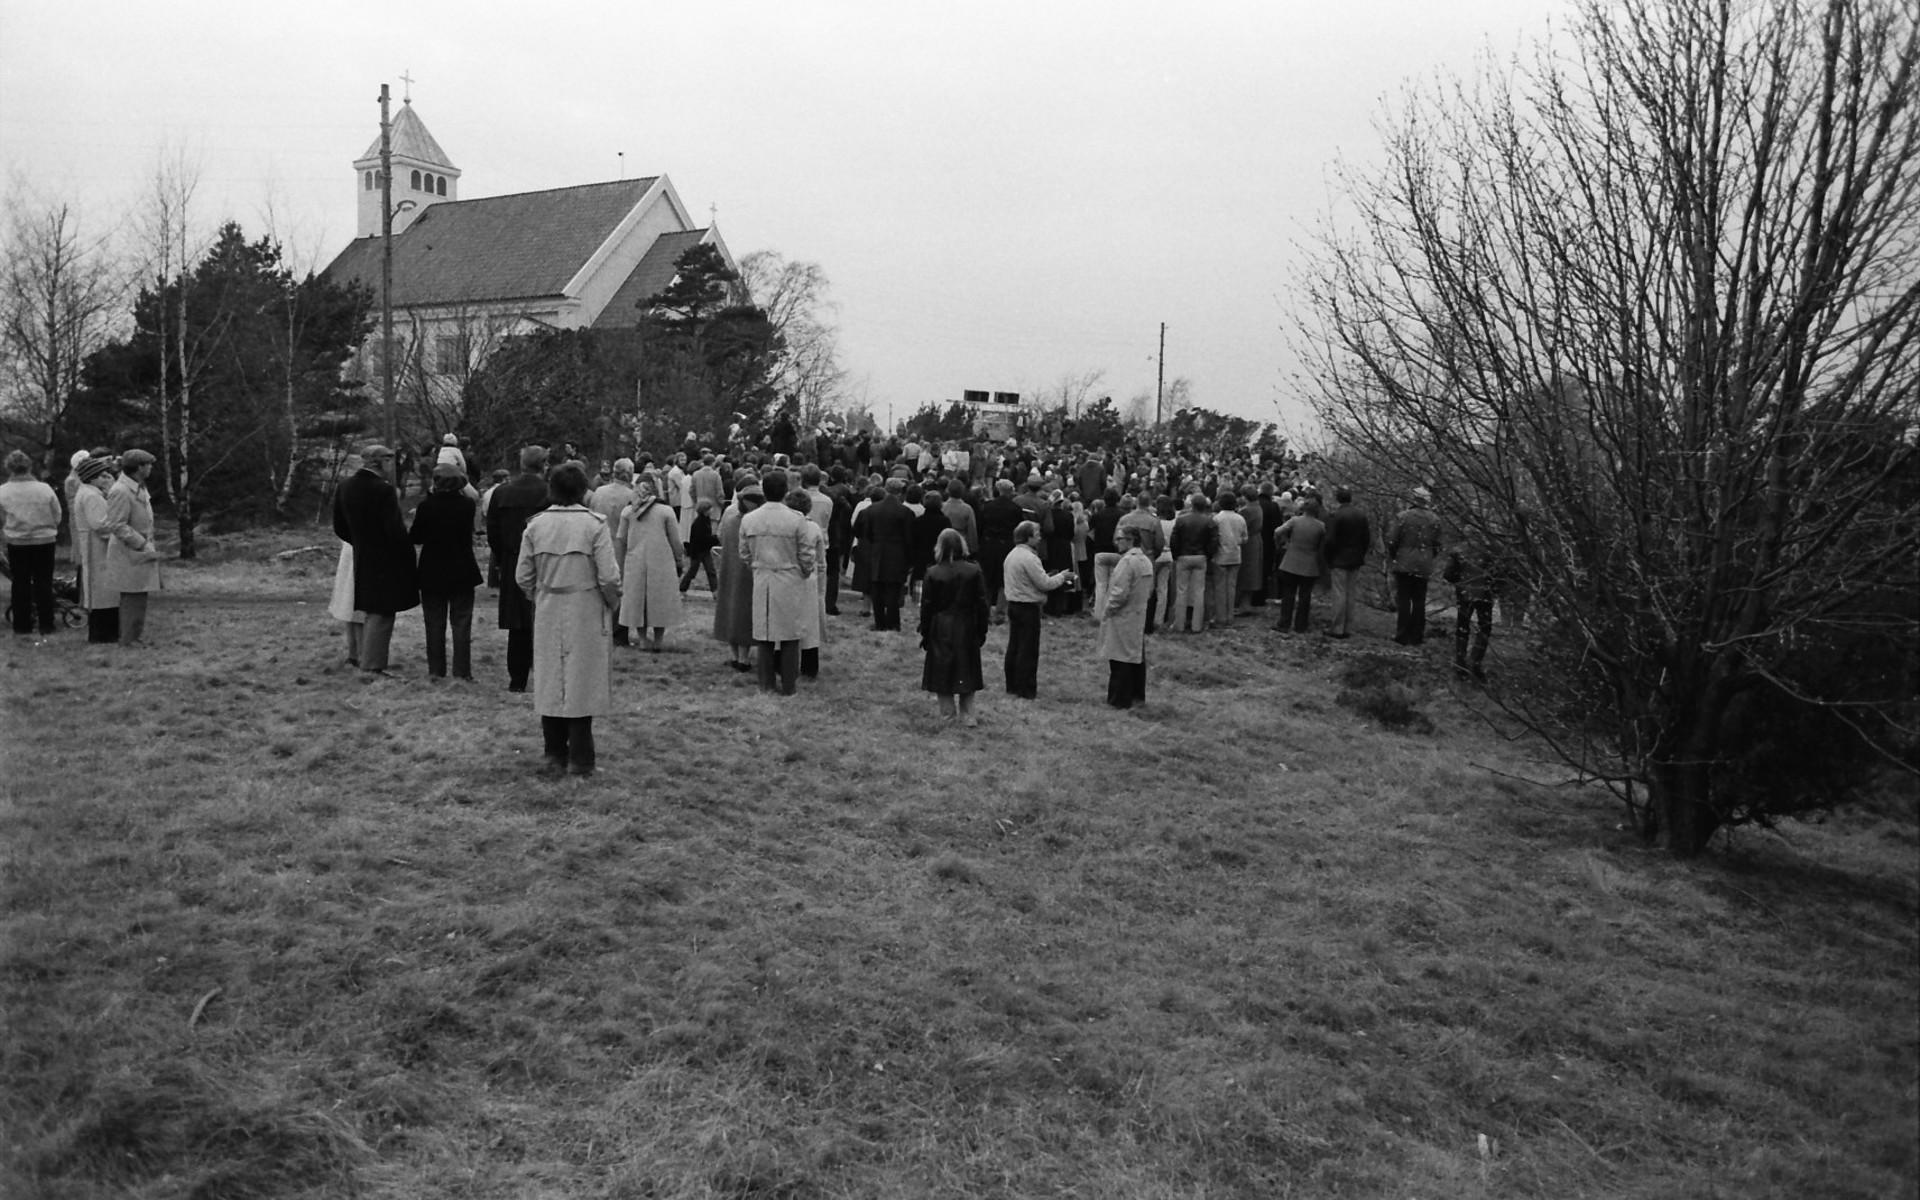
[{"x": 1683, "y": 815}]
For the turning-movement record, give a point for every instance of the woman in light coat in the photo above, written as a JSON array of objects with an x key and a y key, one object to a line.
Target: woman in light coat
[
  {"x": 133, "y": 561},
  {"x": 90, "y": 542},
  {"x": 1123, "y": 622},
  {"x": 567, "y": 570},
  {"x": 652, "y": 558},
  {"x": 776, "y": 543}
]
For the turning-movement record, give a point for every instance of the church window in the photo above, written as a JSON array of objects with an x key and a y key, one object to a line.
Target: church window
[
  {"x": 440, "y": 186},
  {"x": 369, "y": 180},
  {"x": 416, "y": 181}
]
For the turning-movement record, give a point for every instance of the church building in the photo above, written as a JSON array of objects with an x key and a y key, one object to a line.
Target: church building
[{"x": 469, "y": 273}]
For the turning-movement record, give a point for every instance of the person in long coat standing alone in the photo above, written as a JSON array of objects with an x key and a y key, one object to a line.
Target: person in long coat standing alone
[
  {"x": 779, "y": 545},
  {"x": 733, "y": 598},
  {"x": 652, "y": 557},
  {"x": 511, "y": 505},
  {"x": 366, "y": 513},
  {"x": 133, "y": 561},
  {"x": 567, "y": 570},
  {"x": 448, "y": 571},
  {"x": 1123, "y": 623},
  {"x": 954, "y": 615}
]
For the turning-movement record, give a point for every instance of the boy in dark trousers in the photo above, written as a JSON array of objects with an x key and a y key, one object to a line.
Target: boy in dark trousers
[{"x": 701, "y": 543}]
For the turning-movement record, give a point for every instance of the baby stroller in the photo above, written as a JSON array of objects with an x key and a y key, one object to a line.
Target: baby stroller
[{"x": 66, "y": 598}]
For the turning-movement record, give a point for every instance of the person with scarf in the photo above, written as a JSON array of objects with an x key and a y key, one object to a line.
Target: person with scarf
[{"x": 652, "y": 557}]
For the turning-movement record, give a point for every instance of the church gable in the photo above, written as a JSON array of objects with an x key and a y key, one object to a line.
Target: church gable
[
  {"x": 527, "y": 246},
  {"x": 648, "y": 279}
]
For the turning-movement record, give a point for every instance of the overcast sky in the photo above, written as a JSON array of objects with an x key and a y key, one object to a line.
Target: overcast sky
[{"x": 1002, "y": 194}]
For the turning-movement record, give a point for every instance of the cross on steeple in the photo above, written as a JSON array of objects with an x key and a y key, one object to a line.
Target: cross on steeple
[{"x": 406, "y": 77}]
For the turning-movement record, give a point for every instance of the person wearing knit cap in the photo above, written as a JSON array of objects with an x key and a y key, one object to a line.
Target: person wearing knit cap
[
  {"x": 72, "y": 482},
  {"x": 90, "y": 550}
]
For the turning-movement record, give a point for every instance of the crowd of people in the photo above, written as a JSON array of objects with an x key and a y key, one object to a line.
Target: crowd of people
[{"x": 965, "y": 536}]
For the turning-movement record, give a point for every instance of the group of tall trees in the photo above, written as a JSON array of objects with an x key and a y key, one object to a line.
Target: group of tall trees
[
  {"x": 213, "y": 353},
  {"x": 1646, "y": 315}
]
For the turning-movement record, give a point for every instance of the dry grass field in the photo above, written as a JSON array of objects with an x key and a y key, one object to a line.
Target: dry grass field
[{"x": 273, "y": 930}]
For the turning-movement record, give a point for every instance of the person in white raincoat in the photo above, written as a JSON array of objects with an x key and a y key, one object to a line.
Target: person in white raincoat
[{"x": 567, "y": 569}]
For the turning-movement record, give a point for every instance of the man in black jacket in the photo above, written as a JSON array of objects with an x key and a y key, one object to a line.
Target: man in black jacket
[
  {"x": 999, "y": 517},
  {"x": 513, "y": 503},
  {"x": 886, "y": 529},
  {"x": 1349, "y": 537},
  {"x": 366, "y": 515}
]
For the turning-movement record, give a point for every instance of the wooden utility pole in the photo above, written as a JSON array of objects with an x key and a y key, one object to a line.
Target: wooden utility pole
[
  {"x": 1160, "y": 384},
  {"x": 386, "y": 273}
]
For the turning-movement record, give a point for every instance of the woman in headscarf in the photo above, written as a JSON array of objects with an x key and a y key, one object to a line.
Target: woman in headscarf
[
  {"x": 646, "y": 541},
  {"x": 954, "y": 616},
  {"x": 733, "y": 599}
]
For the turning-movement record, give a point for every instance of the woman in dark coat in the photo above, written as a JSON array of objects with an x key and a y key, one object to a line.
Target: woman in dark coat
[
  {"x": 733, "y": 599},
  {"x": 448, "y": 572},
  {"x": 1058, "y": 535},
  {"x": 953, "y": 624}
]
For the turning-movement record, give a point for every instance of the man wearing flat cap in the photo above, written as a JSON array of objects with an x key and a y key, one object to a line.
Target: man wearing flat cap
[
  {"x": 366, "y": 515},
  {"x": 1414, "y": 541}
]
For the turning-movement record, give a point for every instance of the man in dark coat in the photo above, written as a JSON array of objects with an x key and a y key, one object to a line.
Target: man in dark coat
[
  {"x": 366, "y": 515},
  {"x": 886, "y": 529},
  {"x": 839, "y": 535},
  {"x": 1272, "y": 516},
  {"x": 513, "y": 503},
  {"x": 926, "y": 533},
  {"x": 1349, "y": 537},
  {"x": 1091, "y": 478},
  {"x": 999, "y": 517}
]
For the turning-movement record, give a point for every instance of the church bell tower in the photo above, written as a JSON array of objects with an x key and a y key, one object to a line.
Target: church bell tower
[{"x": 422, "y": 174}]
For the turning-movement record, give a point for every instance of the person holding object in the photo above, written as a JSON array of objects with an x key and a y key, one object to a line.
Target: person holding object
[
  {"x": 1027, "y": 584},
  {"x": 567, "y": 571}
]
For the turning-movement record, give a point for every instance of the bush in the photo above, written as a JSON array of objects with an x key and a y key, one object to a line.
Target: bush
[{"x": 1377, "y": 688}]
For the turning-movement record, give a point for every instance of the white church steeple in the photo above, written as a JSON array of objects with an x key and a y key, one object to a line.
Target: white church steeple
[{"x": 422, "y": 174}]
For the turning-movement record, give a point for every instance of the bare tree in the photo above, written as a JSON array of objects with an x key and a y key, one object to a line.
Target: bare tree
[
  {"x": 794, "y": 296},
  {"x": 1648, "y": 315},
  {"x": 61, "y": 294}
]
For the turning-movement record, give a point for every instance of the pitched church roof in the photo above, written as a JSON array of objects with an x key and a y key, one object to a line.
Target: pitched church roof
[
  {"x": 516, "y": 247},
  {"x": 649, "y": 279},
  {"x": 410, "y": 140}
]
